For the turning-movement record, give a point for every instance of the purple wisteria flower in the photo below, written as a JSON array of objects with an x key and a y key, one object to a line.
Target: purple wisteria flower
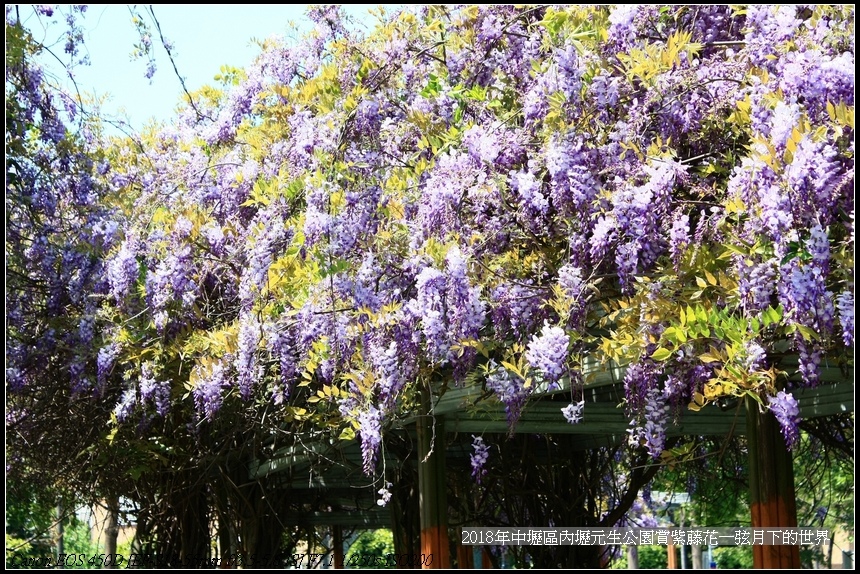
[
  {"x": 479, "y": 458},
  {"x": 384, "y": 495},
  {"x": 429, "y": 307},
  {"x": 449, "y": 308},
  {"x": 787, "y": 412},
  {"x": 515, "y": 308},
  {"x": 126, "y": 405},
  {"x": 389, "y": 373},
  {"x": 679, "y": 237},
  {"x": 573, "y": 412},
  {"x": 370, "y": 429},
  {"x": 570, "y": 280},
  {"x": 153, "y": 391},
  {"x": 530, "y": 192},
  {"x": 246, "y": 363},
  {"x": 756, "y": 284},
  {"x": 547, "y": 353},
  {"x": 483, "y": 144},
  {"x": 640, "y": 515},
  {"x": 463, "y": 301},
  {"x": 845, "y": 307},
  {"x": 572, "y": 283},
  {"x": 280, "y": 341},
  {"x": 656, "y": 418},
  {"x": 407, "y": 194},
  {"x": 639, "y": 379},
  {"x": 509, "y": 389},
  {"x": 207, "y": 392},
  {"x": 104, "y": 363},
  {"x": 755, "y": 356}
]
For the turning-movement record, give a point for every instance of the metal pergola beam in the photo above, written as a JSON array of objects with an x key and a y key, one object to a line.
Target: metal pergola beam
[
  {"x": 604, "y": 424},
  {"x": 368, "y": 519},
  {"x": 607, "y": 418}
]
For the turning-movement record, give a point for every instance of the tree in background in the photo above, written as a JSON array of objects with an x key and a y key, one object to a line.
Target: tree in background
[
  {"x": 371, "y": 549},
  {"x": 60, "y": 222}
]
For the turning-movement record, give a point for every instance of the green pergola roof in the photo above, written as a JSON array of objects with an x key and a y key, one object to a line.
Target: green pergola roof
[{"x": 331, "y": 470}]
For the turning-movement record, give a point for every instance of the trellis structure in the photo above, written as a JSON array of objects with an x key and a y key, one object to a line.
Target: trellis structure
[{"x": 463, "y": 412}]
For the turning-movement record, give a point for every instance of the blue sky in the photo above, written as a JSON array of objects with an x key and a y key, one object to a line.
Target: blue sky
[{"x": 204, "y": 38}]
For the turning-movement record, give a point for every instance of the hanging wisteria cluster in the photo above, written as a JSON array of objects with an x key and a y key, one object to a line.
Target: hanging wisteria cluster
[
  {"x": 471, "y": 195},
  {"x": 479, "y": 458}
]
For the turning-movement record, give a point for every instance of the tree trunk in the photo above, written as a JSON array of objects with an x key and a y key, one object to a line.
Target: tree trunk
[
  {"x": 405, "y": 512},
  {"x": 632, "y": 557},
  {"x": 61, "y": 550},
  {"x": 111, "y": 531},
  {"x": 696, "y": 551}
]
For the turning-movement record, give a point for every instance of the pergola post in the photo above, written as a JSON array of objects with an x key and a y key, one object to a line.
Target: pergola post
[
  {"x": 433, "y": 499},
  {"x": 772, "y": 497}
]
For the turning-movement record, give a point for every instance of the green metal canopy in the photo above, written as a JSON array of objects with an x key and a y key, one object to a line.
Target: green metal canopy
[{"x": 332, "y": 470}]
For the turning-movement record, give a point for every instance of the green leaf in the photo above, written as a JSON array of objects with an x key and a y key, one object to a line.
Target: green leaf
[
  {"x": 808, "y": 333},
  {"x": 691, "y": 314},
  {"x": 511, "y": 367},
  {"x": 675, "y": 335},
  {"x": 661, "y": 354},
  {"x": 771, "y": 315},
  {"x": 137, "y": 471},
  {"x": 671, "y": 335},
  {"x": 738, "y": 249}
]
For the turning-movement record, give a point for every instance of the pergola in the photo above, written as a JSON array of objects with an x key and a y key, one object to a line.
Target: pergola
[{"x": 331, "y": 471}]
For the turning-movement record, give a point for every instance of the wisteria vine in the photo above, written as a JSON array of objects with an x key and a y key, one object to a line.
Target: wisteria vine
[{"x": 473, "y": 195}]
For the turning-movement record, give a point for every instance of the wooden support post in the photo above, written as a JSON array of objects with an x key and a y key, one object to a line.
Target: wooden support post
[
  {"x": 337, "y": 535},
  {"x": 772, "y": 498},
  {"x": 433, "y": 499}
]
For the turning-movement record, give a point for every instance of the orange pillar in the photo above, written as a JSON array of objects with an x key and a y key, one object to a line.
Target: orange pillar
[
  {"x": 433, "y": 501},
  {"x": 672, "y": 553},
  {"x": 772, "y": 497}
]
